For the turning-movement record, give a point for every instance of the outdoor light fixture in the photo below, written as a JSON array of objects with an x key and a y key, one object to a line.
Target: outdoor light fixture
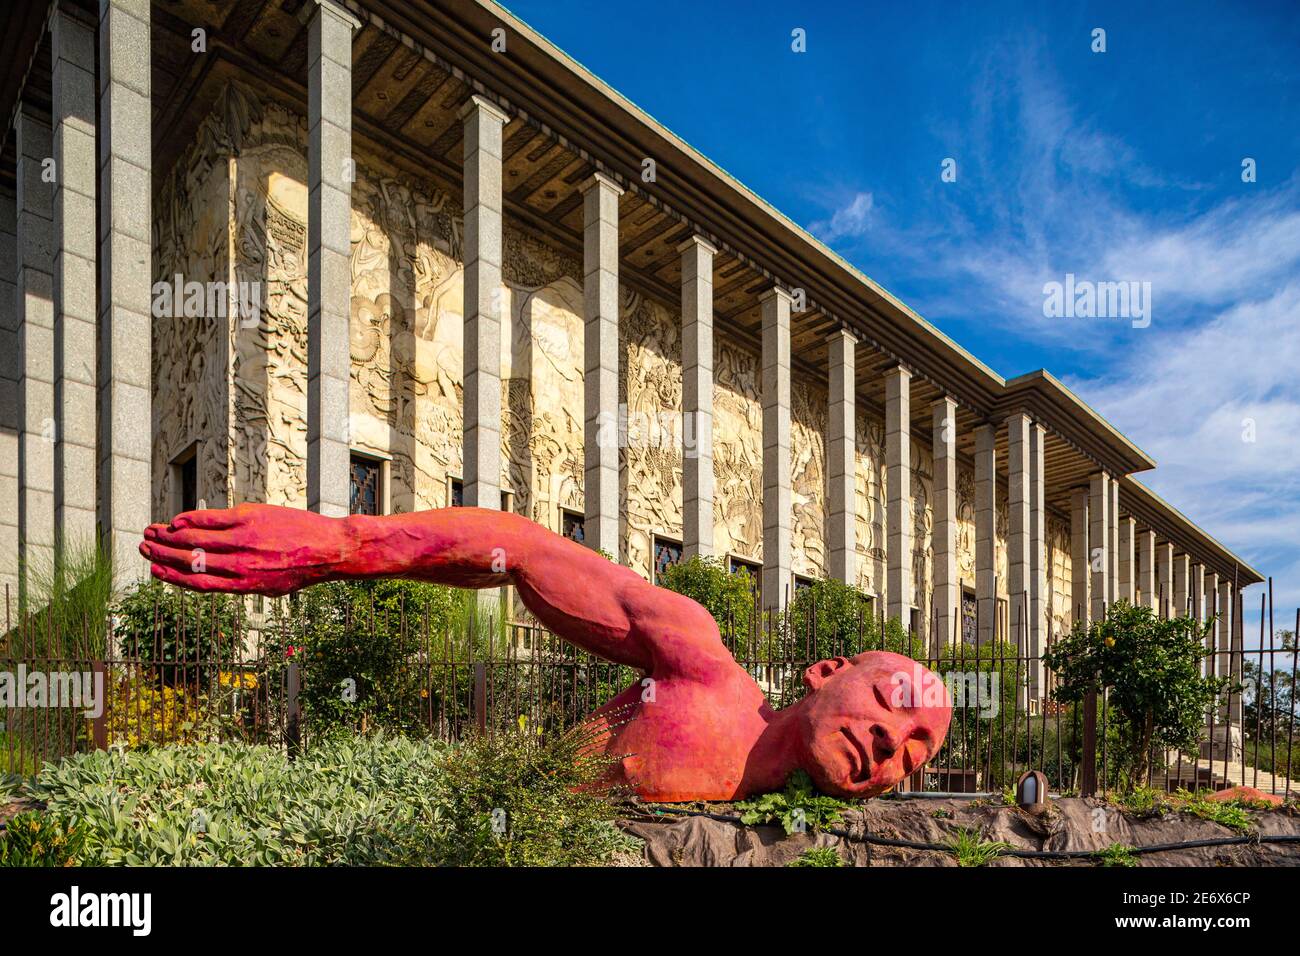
[{"x": 1031, "y": 791}]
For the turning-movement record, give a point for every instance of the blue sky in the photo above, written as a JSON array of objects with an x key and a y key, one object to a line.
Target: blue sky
[{"x": 1122, "y": 165}]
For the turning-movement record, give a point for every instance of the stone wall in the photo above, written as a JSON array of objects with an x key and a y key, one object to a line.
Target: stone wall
[{"x": 239, "y": 195}]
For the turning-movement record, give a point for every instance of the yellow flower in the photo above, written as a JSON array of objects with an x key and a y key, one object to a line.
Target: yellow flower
[{"x": 1110, "y": 642}]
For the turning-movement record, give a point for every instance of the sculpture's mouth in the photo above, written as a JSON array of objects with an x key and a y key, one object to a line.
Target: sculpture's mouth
[{"x": 860, "y": 756}]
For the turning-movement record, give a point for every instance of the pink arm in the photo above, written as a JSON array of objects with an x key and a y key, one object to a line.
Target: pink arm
[{"x": 583, "y": 597}]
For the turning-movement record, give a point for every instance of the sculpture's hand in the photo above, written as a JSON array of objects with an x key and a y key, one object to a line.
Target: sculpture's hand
[{"x": 259, "y": 549}]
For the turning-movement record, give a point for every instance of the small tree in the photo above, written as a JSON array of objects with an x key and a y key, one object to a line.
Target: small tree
[
  {"x": 1150, "y": 669},
  {"x": 728, "y": 597}
]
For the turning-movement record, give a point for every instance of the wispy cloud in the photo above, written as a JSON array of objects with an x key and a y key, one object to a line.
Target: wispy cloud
[
  {"x": 1212, "y": 388},
  {"x": 852, "y": 220}
]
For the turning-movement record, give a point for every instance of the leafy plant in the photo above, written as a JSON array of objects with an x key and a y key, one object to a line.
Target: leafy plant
[
  {"x": 818, "y": 856},
  {"x": 1143, "y": 802},
  {"x": 366, "y": 800},
  {"x": 1231, "y": 814},
  {"x": 728, "y": 597},
  {"x": 34, "y": 839},
  {"x": 1117, "y": 854},
  {"x": 1150, "y": 669},
  {"x": 797, "y": 808},
  {"x": 184, "y": 638},
  {"x": 970, "y": 850}
]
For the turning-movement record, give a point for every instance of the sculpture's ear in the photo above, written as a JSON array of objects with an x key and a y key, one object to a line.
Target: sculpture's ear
[{"x": 818, "y": 674}]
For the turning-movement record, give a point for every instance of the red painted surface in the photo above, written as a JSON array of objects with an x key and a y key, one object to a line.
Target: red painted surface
[
  {"x": 1248, "y": 795},
  {"x": 698, "y": 727}
]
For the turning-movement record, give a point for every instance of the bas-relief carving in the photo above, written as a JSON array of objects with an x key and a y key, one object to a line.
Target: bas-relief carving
[
  {"x": 406, "y": 344},
  {"x": 650, "y": 388},
  {"x": 808, "y": 414},
  {"x": 870, "y": 539},
  {"x": 188, "y": 368},
  {"x": 1061, "y": 612},
  {"x": 737, "y": 451}
]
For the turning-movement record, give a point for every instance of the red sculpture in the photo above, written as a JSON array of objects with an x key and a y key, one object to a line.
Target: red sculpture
[{"x": 699, "y": 726}]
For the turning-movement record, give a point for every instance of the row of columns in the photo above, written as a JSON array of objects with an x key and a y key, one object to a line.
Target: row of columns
[{"x": 75, "y": 247}]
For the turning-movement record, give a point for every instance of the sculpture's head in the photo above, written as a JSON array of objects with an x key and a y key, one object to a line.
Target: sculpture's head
[{"x": 869, "y": 721}]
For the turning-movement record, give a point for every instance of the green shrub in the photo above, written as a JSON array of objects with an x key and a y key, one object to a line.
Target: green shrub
[
  {"x": 818, "y": 856},
  {"x": 35, "y": 839},
  {"x": 191, "y": 636},
  {"x": 971, "y": 850},
  {"x": 1117, "y": 854},
  {"x": 1150, "y": 669},
  {"x": 372, "y": 800},
  {"x": 798, "y": 807},
  {"x": 728, "y": 597}
]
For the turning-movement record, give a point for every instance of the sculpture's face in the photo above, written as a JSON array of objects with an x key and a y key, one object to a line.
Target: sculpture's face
[{"x": 870, "y": 721}]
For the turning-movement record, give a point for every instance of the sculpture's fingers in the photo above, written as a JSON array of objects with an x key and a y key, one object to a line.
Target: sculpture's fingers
[
  {"x": 194, "y": 582},
  {"x": 213, "y": 519},
  {"x": 208, "y": 539},
  {"x": 190, "y": 560}
]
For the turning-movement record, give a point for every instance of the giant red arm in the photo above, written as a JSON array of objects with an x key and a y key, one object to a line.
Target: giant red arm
[{"x": 596, "y": 604}]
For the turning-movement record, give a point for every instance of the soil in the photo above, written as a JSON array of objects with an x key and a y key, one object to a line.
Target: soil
[{"x": 1070, "y": 823}]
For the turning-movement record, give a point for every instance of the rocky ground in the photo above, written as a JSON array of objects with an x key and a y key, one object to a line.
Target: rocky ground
[{"x": 1070, "y": 824}]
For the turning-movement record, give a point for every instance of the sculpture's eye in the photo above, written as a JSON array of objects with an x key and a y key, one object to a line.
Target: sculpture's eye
[{"x": 881, "y": 697}]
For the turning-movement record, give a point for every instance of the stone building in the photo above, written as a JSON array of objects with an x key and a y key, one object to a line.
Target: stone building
[{"x": 385, "y": 256}]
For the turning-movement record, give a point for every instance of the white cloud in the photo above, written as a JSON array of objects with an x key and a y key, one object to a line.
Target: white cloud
[{"x": 851, "y": 220}]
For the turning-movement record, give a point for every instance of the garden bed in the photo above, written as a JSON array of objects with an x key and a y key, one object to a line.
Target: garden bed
[{"x": 695, "y": 836}]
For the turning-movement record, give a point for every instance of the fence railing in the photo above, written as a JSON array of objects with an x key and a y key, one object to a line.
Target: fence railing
[{"x": 188, "y": 674}]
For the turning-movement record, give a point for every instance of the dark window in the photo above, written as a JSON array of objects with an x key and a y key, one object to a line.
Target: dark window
[
  {"x": 190, "y": 483},
  {"x": 970, "y": 618},
  {"x": 366, "y": 493},
  {"x": 507, "y": 501},
  {"x": 457, "y": 493},
  {"x": 667, "y": 553},
  {"x": 572, "y": 525},
  {"x": 802, "y": 583},
  {"x": 752, "y": 569}
]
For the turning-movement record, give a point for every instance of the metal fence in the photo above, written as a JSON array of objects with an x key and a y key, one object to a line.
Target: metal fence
[{"x": 203, "y": 670}]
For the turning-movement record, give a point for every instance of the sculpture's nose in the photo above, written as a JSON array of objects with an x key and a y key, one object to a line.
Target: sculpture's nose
[{"x": 884, "y": 741}]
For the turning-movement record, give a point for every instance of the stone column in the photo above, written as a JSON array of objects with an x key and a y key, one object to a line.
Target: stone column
[
  {"x": 1018, "y": 547},
  {"x": 1080, "y": 566},
  {"x": 1039, "y": 592},
  {"x": 1147, "y": 573},
  {"x": 35, "y": 299},
  {"x": 1182, "y": 584},
  {"x": 1212, "y": 609},
  {"x": 697, "y": 394},
  {"x": 1165, "y": 582},
  {"x": 1127, "y": 559},
  {"x": 124, "y": 445},
  {"x": 841, "y": 456},
  {"x": 1099, "y": 499},
  {"x": 1112, "y": 539},
  {"x": 600, "y": 378},
  {"x": 10, "y": 424},
  {"x": 1228, "y": 663},
  {"x": 1196, "y": 592},
  {"x": 777, "y": 503},
  {"x": 329, "y": 255},
  {"x": 72, "y": 45},
  {"x": 986, "y": 530},
  {"x": 483, "y": 124},
  {"x": 898, "y": 485},
  {"x": 947, "y": 592}
]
